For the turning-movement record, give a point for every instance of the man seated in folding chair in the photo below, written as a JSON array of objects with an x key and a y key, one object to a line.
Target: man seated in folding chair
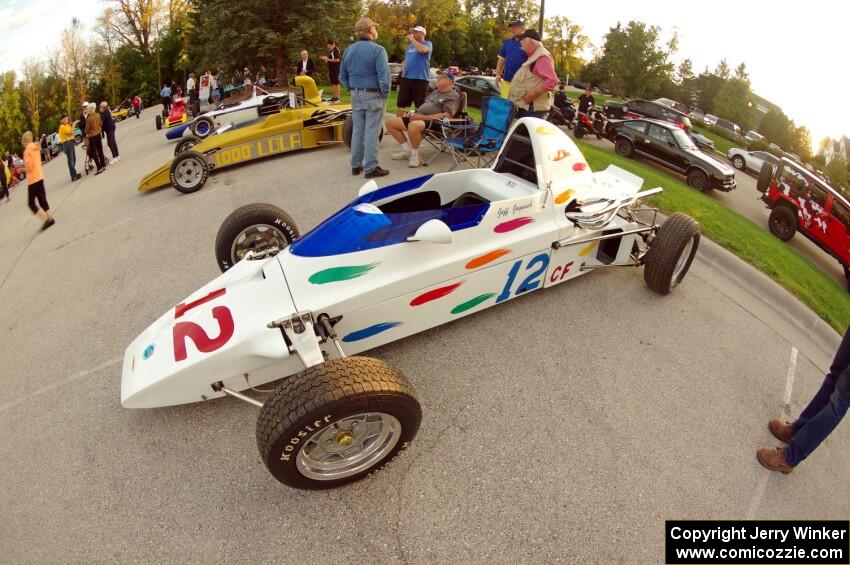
[{"x": 408, "y": 130}]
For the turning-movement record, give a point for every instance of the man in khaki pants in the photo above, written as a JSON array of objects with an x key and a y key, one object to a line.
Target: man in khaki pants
[{"x": 532, "y": 85}]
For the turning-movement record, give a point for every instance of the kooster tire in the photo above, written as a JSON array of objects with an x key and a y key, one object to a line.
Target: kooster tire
[
  {"x": 159, "y": 122},
  {"x": 666, "y": 250},
  {"x": 243, "y": 218},
  {"x": 301, "y": 415},
  {"x": 783, "y": 222},
  {"x": 199, "y": 162}
]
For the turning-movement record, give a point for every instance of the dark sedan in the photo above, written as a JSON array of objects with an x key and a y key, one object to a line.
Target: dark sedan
[
  {"x": 669, "y": 145},
  {"x": 646, "y": 109},
  {"x": 476, "y": 88}
]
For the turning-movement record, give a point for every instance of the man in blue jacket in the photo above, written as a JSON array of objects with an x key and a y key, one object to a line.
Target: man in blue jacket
[
  {"x": 413, "y": 83},
  {"x": 365, "y": 72}
]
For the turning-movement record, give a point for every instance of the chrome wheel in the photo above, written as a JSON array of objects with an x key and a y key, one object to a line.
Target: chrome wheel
[
  {"x": 259, "y": 238},
  {"x": 189, "y": 172},
  {"x": 348, "y": 446},
  {"x": 678, "y": 271}
]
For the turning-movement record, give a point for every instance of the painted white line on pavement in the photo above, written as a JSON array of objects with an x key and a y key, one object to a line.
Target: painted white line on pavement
[
  {"x": 57, "y": 384},
  {"x": 789, "y": 381},
  {"x": 755, "y": 501}
]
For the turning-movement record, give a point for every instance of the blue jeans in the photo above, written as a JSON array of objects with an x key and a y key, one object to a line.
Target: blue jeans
[
  {"x": 71, "y": 154},
  {"x": 367, "y": 116},
  {"x": 825, "y": 410}
]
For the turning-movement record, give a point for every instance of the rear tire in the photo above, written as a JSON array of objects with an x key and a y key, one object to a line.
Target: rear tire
[
  {"x": 336, "y": 423},
  {"x": 189, "y": 172},
  {"x": 578, "y": 132},
  {"x": 624, "y": 147},
  {"x": 159, "y": 122},
  {"x": 698, "y": 180},
  {"x": 671, "y": 253},
  {"x": 783, "y": 222},
  {"x": 348, "y": 130},
  {"x": 254, "y": 227},
  {"x": 185, "y": 145},
  {"x": 765, "y": 174},
  {"x": 739, "y": 163}
]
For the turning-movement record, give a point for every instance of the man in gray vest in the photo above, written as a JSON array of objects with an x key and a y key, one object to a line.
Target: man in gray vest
[{"x": 532, "y": 85}]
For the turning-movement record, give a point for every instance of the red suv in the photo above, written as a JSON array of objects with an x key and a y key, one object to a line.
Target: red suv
[{"x": 800, "y": 201}]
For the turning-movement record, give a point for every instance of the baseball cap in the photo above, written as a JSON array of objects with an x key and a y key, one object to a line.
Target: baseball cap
[
  {"x": 420, "y": 29},
  {"x": 516, "y": 23},
  {"x": 449, "y": 74},
  {"x": 364, "y": 24},
  {"x": 531, "y": 34}
]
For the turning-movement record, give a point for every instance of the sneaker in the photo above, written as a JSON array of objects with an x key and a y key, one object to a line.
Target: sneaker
[
  {"x": 414, "y": 161},
  {"x": 116, "y": 159},
  {"x": 401, "y": 156},
  {"x": 100, "y": 171},
  {"x": 377, "y": 172},
  {"x": 47, "y": 224}
]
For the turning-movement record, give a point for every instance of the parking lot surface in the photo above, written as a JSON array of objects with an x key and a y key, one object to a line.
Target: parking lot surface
[{"x": 564, "y": 426}]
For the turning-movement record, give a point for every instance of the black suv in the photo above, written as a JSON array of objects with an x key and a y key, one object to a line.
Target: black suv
[
  {"x": 667, "y": 144},
  {"x": 645, "y": 109}
]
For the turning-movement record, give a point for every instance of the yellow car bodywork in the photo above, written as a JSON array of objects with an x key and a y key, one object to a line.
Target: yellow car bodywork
[
  {"x": 313, "y": 125},
  {"x": 120, "y": 114}
]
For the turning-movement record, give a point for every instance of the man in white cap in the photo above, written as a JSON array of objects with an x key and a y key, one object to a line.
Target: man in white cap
[
  {"x": 413, "y": 83},
  {"x": 365, "y": 72}
]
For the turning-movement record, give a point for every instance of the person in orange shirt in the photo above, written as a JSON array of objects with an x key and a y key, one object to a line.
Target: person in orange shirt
[{"x": 35, "y": 181}]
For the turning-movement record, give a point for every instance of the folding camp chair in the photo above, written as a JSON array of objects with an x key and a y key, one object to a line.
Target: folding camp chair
[
  {"x": 436, "y": 138},
  {"x": 481, "y": 141}
]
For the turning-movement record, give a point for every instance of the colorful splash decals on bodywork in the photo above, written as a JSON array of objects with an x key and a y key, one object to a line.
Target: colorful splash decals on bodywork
[
  {"x": 579, "y": 166},
  {"x": 545, "y": 130},
  {"x": 559, "y": 155},
  {"x": 434, "y": 294},
  {"x": 487, "y": 258},
  {"x": 370, "y": 331},
  {"x": 336, "y": 274},
  {"x": 587, "y": 249},
  {"x": 514, "y": 224},
  {"x": 564, "y": 196},
  {"x": 470, "y": 304},
  {"x": 147, "y": 353}
]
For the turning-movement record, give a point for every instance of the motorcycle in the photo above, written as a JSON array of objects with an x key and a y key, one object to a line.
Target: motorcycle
[
  {"x": 562, "y": 112},
  {"x": 593, "y": 122}
]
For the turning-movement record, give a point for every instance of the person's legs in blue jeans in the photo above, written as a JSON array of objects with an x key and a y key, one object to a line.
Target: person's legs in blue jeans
[
  {"x": 374, "y": 122},
  {"x": 71, "y": 155},
  {"x": 825, "y": 409},
  {"x": 358, "y": 122}
]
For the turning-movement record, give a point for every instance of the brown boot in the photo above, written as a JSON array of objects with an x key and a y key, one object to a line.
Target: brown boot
[
  {"x": 773, "y": 458},
  {"x": 781, "y": 430}
]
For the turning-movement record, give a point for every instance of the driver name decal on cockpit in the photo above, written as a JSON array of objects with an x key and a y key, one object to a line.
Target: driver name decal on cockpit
[{"x": 514, "y": 209}]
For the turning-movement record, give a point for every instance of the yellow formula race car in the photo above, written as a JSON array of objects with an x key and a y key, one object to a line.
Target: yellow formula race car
[
  {"x": 304, "y": 122},
  {"x": 121, "y": 112}
]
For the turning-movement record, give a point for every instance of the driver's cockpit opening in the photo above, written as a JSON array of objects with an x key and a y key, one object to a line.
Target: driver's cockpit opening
[{"x": 517, "y": 157}]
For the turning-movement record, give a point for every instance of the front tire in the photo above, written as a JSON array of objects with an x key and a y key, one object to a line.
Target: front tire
[
  {"x": 671, "y": 253},
  {"x": 255, "y": 227},
  {"x": 189, "y": 172},
  {"x": 159, "y": 122},
  {"x": 578, "y": 132},
  {"x": 202, "y": 127},
  {"x": 783, "y": 222},
  {"x": 739, "y": 163},
  {"x": 337, "y": 422},
  {"x": 698, "y": 180},
  {"x": 624, "y": 147}
]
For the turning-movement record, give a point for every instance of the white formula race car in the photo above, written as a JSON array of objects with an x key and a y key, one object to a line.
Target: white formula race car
[{"x": 396, "y": 261}]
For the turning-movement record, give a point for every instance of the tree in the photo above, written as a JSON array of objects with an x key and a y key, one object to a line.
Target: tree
[
  {"x": 72, "y": 49},
  {"x": 134, "y": 21},
  {"x": 801, "y": 142},
  {"x": 31, "y": 82},
  {"x": 635, "y": 62},
  {"x": 565, "y": 40},
  {"x": 837, "y": 174},
  {"x": 12, "y": 120},
  {"x": 722, "y": 69},
  {"x": 741, "y": 72},
  {"x": 776, "y": 127},
  {"x": 734, "y": 102}
]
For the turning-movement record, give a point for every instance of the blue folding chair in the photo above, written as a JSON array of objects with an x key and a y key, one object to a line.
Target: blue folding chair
[{"x": 480, "y": 141}]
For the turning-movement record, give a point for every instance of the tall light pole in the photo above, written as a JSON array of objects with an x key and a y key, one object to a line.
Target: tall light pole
[{"x": 540, "y": 24}]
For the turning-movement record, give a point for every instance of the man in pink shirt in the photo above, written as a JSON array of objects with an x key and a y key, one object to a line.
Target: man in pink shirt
[
  {"x": 35, "y": 181},
  {"x": 532, "y": 85}
]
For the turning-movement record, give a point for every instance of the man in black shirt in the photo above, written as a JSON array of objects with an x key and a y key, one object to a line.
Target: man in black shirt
[
  {"x": 586, "y": 101},
  {"x": 333, "y": 59}
]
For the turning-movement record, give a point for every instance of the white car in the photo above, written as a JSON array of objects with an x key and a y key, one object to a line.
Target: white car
[
  {"x": 395, "y": 261},
  {"x": 752, "y": 161}
]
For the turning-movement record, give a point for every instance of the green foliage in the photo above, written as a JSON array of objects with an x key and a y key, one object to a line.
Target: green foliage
[
  {"x": 12, "y": 120},
  {"x": 565, "y": 40},
  {"x": 633, "y": 61},
  {"x": 837, "y": 173},
  {"x": 708, "y": 86},
  {"x": 734, "y": 102}
]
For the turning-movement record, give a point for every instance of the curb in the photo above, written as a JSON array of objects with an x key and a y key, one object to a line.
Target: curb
[{"x": 771, "y": 293}]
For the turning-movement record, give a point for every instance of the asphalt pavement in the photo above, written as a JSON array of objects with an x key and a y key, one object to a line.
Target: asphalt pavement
[{"x": 564, "y": 426}]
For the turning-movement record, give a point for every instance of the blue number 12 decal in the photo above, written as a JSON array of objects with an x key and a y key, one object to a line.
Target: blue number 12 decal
[{"x": 531, "y": 282}]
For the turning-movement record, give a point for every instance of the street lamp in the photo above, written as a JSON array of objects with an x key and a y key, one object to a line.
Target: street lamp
[{"x": 540, "y": 23}]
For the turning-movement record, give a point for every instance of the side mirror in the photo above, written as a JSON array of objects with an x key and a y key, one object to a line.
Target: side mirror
[
  {"x": 369, "y": 186},
  {"x": 433, "y": 231}
]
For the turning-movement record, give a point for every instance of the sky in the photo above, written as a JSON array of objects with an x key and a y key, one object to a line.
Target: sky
[{"x": 796, "y": 54}]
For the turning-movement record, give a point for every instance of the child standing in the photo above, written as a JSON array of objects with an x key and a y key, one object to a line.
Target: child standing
[{"x": 35, "y": 181}]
